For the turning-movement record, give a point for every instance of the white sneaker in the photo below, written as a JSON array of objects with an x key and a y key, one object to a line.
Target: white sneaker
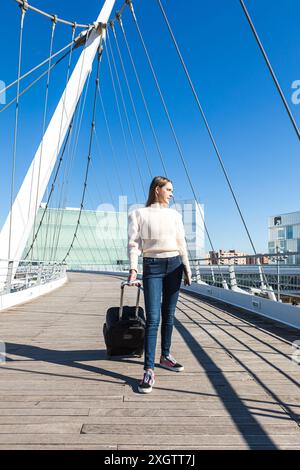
[{"x": 147, "y": 383}]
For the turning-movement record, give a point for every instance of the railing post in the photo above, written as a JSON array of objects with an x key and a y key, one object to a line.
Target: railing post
[
  {"x": 9, "y": 274},
  {"x": 197, "y": 269},
  {"x": 26, "y": 276},
  {"x": 39, "y": 278},
  {"x": 278, "y": 276},
  {"x": 212, "y": 274},
  {"x": 233, "y": 283}
]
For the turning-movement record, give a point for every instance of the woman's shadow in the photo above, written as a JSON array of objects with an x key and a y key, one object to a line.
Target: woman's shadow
[{"x": 72, "y": 359}]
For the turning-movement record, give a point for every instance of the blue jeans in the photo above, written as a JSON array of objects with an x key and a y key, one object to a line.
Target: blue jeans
[{"x": 161, "y": 278}]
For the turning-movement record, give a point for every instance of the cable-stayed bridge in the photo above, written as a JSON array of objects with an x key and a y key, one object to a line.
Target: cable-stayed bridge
[{"x": 37, "y": 244}]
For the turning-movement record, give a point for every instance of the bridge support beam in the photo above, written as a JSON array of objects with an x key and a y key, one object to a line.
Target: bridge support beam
[{"x": 20, "y": 220}]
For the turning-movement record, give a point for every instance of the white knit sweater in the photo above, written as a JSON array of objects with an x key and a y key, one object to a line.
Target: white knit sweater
[{"x": 158, "y": 232}]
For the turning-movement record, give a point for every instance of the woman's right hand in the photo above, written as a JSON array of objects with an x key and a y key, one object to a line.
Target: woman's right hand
[
  {"x": 187, "y": 280},
  {"x": 132, "y": 276}
]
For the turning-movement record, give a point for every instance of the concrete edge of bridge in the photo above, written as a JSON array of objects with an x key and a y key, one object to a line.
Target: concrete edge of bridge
[
  {"x": 288, "y": 315},
  {"x": 26, "y": 295}
]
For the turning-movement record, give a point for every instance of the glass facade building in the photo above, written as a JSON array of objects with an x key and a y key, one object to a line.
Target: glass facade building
[
  {"x": 193, "y": 220},
  {"x": 101, "y": 239},
  {"x": 284, "y": 235}
]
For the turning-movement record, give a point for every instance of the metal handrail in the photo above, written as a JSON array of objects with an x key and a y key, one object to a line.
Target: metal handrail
[{"x": 29, "y": 274}]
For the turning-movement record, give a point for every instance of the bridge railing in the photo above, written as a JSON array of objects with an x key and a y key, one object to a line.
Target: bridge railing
[
  {"x": 256, "y": 274},
  {"x": 28, "y": 274},
  {"x": 270, "y": 275}
]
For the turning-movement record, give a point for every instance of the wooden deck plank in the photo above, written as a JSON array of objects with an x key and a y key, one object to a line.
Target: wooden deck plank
[
  {"x": 158, "y": 440},
  {"x": 161, "y": 419},
  {"x": 59, "y": 390}
]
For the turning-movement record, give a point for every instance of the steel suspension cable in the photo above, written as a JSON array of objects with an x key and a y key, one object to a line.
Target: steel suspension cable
[
  {"x": 213, "y": 141},
  {"x": 271, "y": 70},
  {"x": 126, "y": 114},
  {"x": 60, "y": 130},
  {"x": 43, "y": 128},
  {"x": 83, "y": 249},
  {"x": 66, "y": 144},
  {"x": 143, "y": 96},
  {"x": 180, "y": 151},
  {"x": 34, "y": 82},
  {"x": 106, "y": 177},
  {"x": 79, "y": 103},
  {"x": 206, "y": 122},
  {"x": 113, "y": 153},
  {"x": 110, "y": 140},
  {"x": 99, "y": 225},
  {"x": 103, "y": 238},
  {"x": 86, "y": 244},
  {"x": 97, "y": 140},
  {"x": 2, "y": 90},
  {"x": 77, "y": 257},
  {"x": 68, "y": 167},
  {"x": 132, "y": 101},
  {"x": 92, "y": 232},
  {"x": 121, "y": 122},
  {"x": 80, "y": 115},
  {"x": 112, "y": 150},
  {"x": 120, "y": 119},
  {"x": 118, "y": 17},
  {"x": 108, "y": 129},
  {"x": 108, "y": 184},
  {"x": 23, "y": 11},
  {"x": 25, "y": 3},
  {"x": 50, "y": 193},
  {"x": 90, "y": 148},
  {"x": 79, "y": 123},
  {"x": 101, "y": 198}
]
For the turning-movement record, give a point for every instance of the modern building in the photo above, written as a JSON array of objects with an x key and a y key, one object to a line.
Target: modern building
[
  {"x": 193, "y": 220},
  {"x": 101, "y": 239},
  {"x": 253, "y": 260},
  {"x": 226, "y": 257},
  {"x": 284, "y": 236}
]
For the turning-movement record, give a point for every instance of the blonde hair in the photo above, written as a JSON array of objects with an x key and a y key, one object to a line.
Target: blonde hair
[{"x": 157, "y": 181}]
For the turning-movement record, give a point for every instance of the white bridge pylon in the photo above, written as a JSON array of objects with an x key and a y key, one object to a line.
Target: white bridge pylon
[{"x": 20, "y": 220}]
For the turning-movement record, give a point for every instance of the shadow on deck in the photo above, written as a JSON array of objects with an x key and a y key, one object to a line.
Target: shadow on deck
[{"x": 239, "y": 390}]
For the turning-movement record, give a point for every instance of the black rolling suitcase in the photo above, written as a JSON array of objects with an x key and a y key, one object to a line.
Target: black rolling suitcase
[{"x": 124, "y": 330}]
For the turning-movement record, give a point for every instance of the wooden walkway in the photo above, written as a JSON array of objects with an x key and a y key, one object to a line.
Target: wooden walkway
[{"x": 239, "y": 390}]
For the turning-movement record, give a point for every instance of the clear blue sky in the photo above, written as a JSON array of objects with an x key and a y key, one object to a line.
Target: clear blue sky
[{"x": 257, "y": 142}]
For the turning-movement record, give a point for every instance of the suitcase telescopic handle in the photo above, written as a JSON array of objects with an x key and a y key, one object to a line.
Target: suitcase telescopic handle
[{"x": 139, "y": 286}]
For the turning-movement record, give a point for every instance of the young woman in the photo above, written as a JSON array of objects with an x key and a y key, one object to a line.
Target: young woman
[{"x": 157, "y": 232}]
